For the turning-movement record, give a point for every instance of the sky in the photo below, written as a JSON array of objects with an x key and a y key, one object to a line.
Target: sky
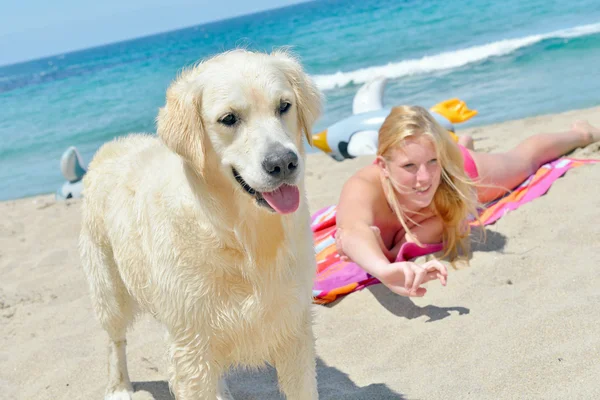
[{"x": 31, "y": 29}]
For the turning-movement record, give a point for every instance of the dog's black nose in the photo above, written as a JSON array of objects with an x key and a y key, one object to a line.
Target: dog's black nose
[{"x": 280, "y": 163}]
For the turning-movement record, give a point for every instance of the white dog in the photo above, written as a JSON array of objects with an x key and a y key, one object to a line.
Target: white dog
[{"x": 207, "y": 228}]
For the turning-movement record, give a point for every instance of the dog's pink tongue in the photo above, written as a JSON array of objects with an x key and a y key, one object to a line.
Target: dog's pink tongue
[{"x": 284, "y": 200}]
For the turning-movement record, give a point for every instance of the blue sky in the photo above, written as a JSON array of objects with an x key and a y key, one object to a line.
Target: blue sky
[{"x": 32, "y": 29}]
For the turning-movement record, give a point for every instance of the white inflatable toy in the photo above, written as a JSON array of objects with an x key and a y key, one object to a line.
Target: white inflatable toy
[{"x": 357, "y": 134}]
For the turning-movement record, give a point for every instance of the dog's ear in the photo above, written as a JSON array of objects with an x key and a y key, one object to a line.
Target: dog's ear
[
  {"x": 179, "y": 123},
  {"x": 308, "y": 96}
]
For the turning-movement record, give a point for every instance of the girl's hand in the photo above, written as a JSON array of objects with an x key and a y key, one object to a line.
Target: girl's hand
[{"x": 405, "y": 278}]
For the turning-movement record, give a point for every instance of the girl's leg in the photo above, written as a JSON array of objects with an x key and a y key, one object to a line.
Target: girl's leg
[{"x": 502, "y": 172}]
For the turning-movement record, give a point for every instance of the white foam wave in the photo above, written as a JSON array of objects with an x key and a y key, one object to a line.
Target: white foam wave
[{"x": 446, "y": 60}]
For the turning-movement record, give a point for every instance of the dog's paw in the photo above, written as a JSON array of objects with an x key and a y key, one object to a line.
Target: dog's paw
[{"x": 120, "y": 395}]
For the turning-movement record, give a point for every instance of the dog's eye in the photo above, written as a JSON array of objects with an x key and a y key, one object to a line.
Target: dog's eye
[
  {"x": 228, "y": 120},
  {"x": 284, "y": 106}
]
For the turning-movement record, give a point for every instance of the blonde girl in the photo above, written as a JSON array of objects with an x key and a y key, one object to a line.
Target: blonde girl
[{"x": 423, "y": 187}]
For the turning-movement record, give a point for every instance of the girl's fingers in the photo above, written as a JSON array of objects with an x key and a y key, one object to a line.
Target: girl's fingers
[
  {"x": 409, "y": 277},
  {"x": 443, "y": 279},
  {"x": 435, "y": 265},
  {"x": 432, "y": 276},
  {"x": 420, "y": 278},
  {"x": 338, "y": 243},
  {"x": 437, "y": 270}
]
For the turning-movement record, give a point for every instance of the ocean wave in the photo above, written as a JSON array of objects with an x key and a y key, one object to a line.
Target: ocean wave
[{"x": 447, "y": 60}]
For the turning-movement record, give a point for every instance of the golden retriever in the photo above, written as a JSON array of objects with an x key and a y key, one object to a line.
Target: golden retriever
[{"x": 207, "y": 227}]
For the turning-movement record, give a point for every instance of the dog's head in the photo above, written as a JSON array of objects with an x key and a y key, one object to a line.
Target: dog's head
[{"x": 244, "y": 114}]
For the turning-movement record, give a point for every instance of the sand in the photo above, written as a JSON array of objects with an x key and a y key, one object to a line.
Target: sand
[{"x": 522, "y": 322}]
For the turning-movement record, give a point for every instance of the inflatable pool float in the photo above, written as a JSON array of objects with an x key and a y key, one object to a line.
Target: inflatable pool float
[
  {"x": 357, "y": 134},
  {"x": 71, "y": 166}
]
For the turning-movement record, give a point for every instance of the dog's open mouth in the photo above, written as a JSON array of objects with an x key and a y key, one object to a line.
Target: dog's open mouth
[{"x": 284, "y": 200}]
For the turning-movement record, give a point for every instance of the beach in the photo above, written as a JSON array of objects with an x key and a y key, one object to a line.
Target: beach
[{"x": 520, "y": 322}]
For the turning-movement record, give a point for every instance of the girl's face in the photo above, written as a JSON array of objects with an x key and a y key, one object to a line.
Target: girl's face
[{"x": 415, "y": 169}]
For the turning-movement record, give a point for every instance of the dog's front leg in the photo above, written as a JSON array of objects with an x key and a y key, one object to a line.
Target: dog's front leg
[
  {"x": 295, "y": 364},
  {"x": 193, "y": 373}
]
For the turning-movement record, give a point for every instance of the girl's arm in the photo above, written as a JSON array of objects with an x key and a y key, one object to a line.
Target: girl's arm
[
  {"x": 354, "y": 218},
  {"x": 361, "y": 242}
]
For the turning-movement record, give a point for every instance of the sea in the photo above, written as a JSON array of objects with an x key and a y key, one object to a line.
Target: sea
[{"x": 507, "y": 59}]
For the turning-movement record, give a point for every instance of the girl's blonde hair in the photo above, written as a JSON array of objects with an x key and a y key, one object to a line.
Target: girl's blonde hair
[{"x": 455, "y": 199}]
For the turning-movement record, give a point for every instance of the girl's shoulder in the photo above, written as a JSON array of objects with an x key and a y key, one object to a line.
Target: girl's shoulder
[
  {"x": 370, "y": 174},
  {"x": 364, "y": 193},
  {"x": 364, "y": 182}
]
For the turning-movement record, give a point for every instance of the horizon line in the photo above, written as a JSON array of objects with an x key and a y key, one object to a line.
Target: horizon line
[{"x": 149, "y": 35}]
